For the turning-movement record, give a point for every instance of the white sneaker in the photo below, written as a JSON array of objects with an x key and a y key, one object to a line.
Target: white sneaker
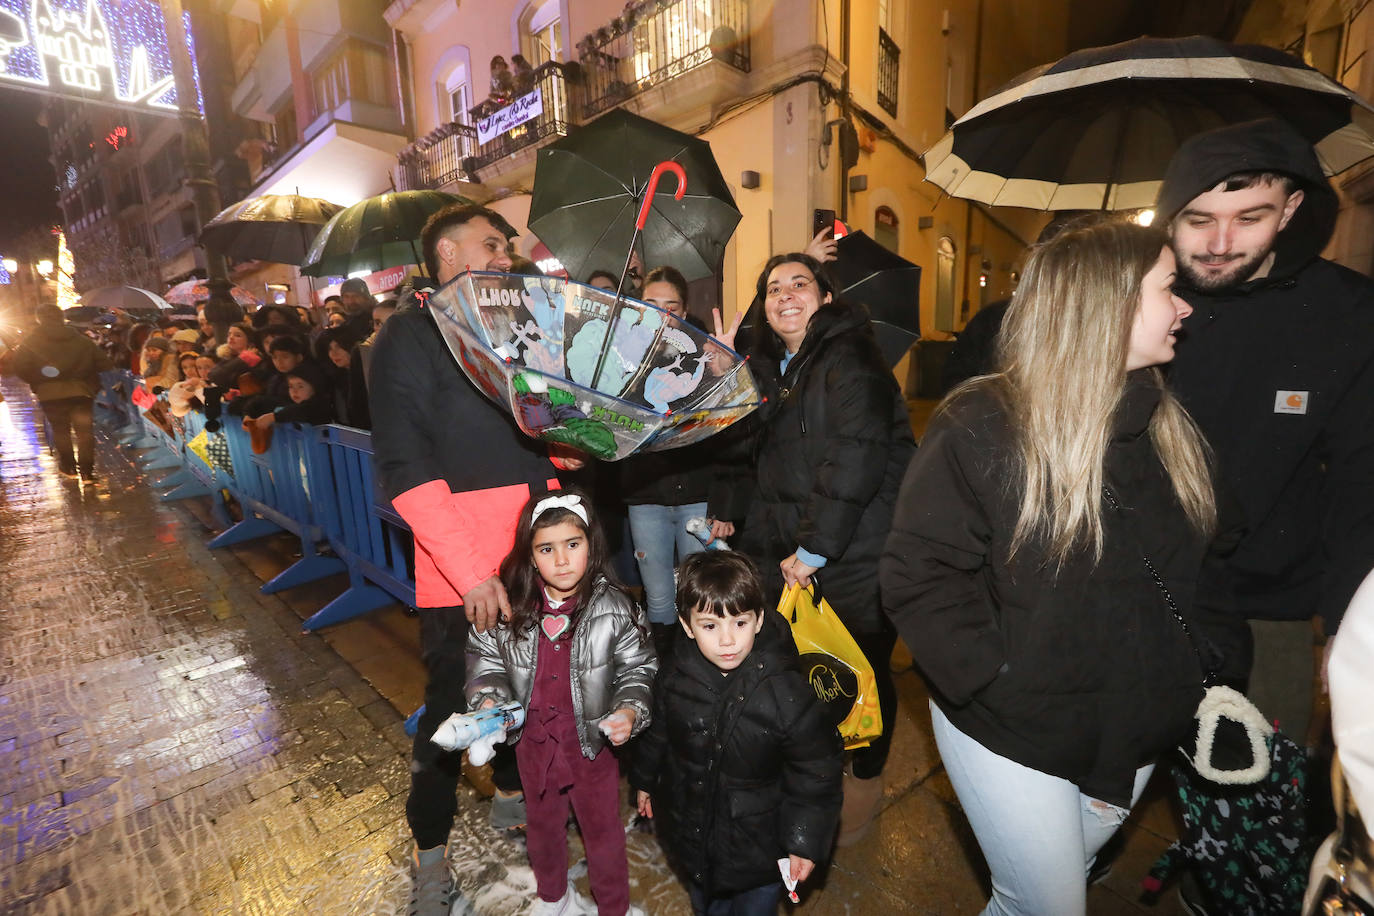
[{"x": 572, "y": 904}]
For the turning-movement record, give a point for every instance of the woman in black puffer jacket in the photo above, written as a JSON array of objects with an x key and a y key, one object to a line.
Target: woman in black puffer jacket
[{"x": 826, "y": 455}]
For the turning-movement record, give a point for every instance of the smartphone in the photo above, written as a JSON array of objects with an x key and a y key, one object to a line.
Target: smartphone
[{"x": 822, "y": 219}]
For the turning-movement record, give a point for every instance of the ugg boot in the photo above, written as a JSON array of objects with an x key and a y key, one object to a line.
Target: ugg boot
[{"x": 861, "y": 798}]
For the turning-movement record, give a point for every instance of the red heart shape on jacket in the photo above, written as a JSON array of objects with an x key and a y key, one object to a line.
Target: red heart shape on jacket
[{"x": 555, "y": 625}]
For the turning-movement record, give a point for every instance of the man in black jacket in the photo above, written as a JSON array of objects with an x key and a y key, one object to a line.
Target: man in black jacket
[
  {"x": 458, "y": 470},
  {"x": 63, "y": 367},
  {"x": 1277, "y": 367}
]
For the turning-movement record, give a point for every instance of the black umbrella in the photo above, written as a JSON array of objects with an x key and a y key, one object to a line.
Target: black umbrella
[
  {"x": 274, "y": 227},
  {"x": 382, "y": 231},
  {"x": 588, "y": 187},
  {"x": 1097, "y": 128},
  {"x": 888, "y": 284}
]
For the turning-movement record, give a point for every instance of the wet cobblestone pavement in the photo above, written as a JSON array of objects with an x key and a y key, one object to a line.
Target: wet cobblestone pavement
[{"x": 170, "y": 742}]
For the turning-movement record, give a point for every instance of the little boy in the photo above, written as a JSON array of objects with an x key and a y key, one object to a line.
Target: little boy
[{"x": 740, "y": 766}]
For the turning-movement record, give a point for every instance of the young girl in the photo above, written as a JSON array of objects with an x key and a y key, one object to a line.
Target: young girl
[{"x": 576, "y": 656}]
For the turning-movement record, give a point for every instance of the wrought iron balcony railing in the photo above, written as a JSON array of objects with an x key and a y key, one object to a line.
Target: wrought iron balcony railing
[
  {"x": 657, "y": 40},
  {"x": 550, "y": 80},
  {"x": 889, "y": 56},
  {"x": 436, "y": 159}
]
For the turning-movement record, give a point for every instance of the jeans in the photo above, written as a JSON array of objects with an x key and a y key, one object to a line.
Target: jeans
[
  {"x": 434, "y": 772},
  {"x": 658, "y": 532},
  {"x": 68, "y": 416},
  {"x": 759, "y": 901},
  {"x": 1038, "y": 833}
]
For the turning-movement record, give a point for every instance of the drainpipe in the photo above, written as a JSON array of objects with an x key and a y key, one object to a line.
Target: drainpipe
[
  {"x": 844, "y": 109},
  {"x": 968, "y": 206}
]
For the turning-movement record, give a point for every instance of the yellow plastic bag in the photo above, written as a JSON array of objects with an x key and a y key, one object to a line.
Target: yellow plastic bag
[
  {"x": 200, "y": 447},
  {"x": 835, "y": 665}
]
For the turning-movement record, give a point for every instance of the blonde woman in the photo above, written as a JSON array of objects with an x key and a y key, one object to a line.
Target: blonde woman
[{"x": 1021, "y": 567}]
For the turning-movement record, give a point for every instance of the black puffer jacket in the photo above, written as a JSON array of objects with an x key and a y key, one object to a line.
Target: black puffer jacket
[
  {"x": 1279, "y": 373},
  {"x": 828, "y": 451},
  {"x": 743, "y": 769},
  {"x": 1086, "y": 677}
]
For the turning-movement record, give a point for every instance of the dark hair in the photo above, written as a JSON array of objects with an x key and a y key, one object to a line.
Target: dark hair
[
  {"x": 524, "y": 588},
  {"x": 720, "y": 582},
  {"x": 1239, "y": 181},
  {"x": 287, "y": 342},
  {"x": 344, "y": 337},
  {"x": 189, "y": 354},
  {"x": 254, "y": 338},
  {"x": 765, "y": 341},
  {"x": 334, "y": 298},
  {"x": 456, "y": 214},
  {"x": 615, "y": 281},
  {"x": 673, "y": 277}
]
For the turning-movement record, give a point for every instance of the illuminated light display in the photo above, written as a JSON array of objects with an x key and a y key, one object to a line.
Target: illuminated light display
[
  {"x": 117, "y": 137},
  {"x": 66, "y": 270},
  {"x": 95, "y": 50}
]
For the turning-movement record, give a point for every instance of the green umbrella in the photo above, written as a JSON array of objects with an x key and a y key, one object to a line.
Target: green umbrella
[
  {"x": 380, "y": 232},
  {"x": 588, "y": 187}
]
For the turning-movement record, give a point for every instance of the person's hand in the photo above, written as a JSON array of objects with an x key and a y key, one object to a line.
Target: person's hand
[
  {"x": 720, "y": 529},
  {"x": 486, "y": 603},
  {"x": 618, "y": 725},
  {"x": 722, "y": 333},
  {"x": 801, "y": 868},
  {"x": 566, "y": 458},
  {"x": 265, "y": 421},
  {"x": 795, "y": 572},
  {"x": 645, "y": 806},
  {"x": 823, "y": 246},
  {"x": 488, "y": 703}
]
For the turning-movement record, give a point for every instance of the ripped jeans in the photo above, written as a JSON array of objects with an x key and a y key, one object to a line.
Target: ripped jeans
[
  {"x": 1038, "y": 833},
  {"x": 661, "y": 541}
]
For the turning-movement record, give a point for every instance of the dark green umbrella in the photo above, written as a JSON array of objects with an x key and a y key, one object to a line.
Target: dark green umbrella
[
  {"x": 382, "y": 231},
  {"x": 588, "y": 187},
  {"x": 273, "y": 227}
]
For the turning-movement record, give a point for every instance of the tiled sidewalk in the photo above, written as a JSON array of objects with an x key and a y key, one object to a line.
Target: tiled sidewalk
[{"x": 171, "y": 743}]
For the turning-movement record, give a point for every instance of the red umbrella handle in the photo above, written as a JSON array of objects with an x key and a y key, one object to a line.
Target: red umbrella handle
[{"x": 652, "y": 188}]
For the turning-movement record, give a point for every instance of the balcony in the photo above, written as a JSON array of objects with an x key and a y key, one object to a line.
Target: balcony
[
  {"x": 438, "y": 159},
  {"x": 889, "y": 57},
  {"x": 550, "y": 81},
  {"x": 657, "y": 42}
]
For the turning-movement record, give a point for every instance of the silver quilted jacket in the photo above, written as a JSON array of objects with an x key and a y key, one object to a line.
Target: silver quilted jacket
[{"x": 613, "y": 665}]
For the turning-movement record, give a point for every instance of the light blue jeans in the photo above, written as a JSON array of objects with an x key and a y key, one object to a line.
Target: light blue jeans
[
  {"x": 1038, "y": 833},
  {"x": 658, "y": 532}
]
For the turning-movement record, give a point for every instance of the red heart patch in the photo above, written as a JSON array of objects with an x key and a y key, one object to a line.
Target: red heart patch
[{"x": 555, "y": 625}]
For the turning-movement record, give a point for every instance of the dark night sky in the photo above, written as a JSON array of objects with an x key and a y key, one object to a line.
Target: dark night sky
[{"x": 28, "y": 198}]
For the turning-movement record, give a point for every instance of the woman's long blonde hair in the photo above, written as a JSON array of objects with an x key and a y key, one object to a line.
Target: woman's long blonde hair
[{"x": 1062, "y": 359}]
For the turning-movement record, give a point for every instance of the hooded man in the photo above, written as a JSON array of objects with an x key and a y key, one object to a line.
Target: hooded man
[
  {"x": 1277, "y": 368},
  {"x": 63, "y": 368}
]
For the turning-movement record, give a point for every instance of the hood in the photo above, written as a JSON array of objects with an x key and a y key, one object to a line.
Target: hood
[{"x": 1268, "y": 145}]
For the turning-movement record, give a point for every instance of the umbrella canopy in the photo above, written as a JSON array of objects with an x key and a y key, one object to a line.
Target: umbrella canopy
[
  {"x": 888, "y": 284},
  {"x": 1096, "y": 129},
  {"x": 128, "y": 298},
  {"x": 588, "y": 187},
  {"x": 189, "y": 292},
  {"x": 274, "y": 227},
  {"x": 533, "y": 345},
  {"x": 382, "y": 231}
]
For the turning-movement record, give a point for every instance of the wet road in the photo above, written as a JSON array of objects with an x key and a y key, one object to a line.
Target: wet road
[{"x": 171, "y": 743}]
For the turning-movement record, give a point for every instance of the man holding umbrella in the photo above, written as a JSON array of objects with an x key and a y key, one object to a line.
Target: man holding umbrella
[
  {"x": 457, "y": 469},
  {"x": 1277, "y": 367}
]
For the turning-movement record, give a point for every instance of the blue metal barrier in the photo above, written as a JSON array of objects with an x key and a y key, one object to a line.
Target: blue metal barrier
[
  {"x": 361, "y": 526},
  {"x": 313, "y": 482}
]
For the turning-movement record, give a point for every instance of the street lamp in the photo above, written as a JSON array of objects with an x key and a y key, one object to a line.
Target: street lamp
[{"x": 45, "y": 267}]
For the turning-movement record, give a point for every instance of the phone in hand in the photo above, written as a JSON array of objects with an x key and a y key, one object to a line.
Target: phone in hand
[{"x": 822, "y": 219}]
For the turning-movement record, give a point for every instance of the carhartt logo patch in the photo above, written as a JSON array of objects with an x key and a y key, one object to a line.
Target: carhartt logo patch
[{"x": 1290, "y": 402}]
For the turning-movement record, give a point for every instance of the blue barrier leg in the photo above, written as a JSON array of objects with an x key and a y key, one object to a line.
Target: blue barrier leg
[
  {"x": 413, "y": 721},
  {"x": 175, "y": 479},
  {"x": 186, "y": 491},
  {"x": 143, "y": 441},
  {"x": 306, "y": 569},
  {"x": 246, "y": 530},
  {"x": 357, "y": 601},
  {"x": 160, "y": 462}
]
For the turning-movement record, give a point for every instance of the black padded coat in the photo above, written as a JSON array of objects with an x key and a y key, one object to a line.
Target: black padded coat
[
  {"x": 827, "y": 455},
  {"x": 743, "y": 768}
]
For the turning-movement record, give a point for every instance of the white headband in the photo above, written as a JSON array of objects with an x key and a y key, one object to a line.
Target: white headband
[{"x": 572, "y": 502}]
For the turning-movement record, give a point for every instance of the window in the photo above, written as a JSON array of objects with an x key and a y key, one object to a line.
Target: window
[
  {"x": 944, "y": 284},
  {"x": 357, "y": 71},
  {"x": 459, "y": 95},
  {"x": 885, "y": 228},
  {"x": 542, "y": 33},
  {"x": 888, "y": 72}
]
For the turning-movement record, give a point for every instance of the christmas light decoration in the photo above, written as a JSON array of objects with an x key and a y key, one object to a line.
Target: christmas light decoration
[
  {"x": 66, "y": 269},
  {"x": 118, "y": 136},
  {"x": 112, "y": 50}
]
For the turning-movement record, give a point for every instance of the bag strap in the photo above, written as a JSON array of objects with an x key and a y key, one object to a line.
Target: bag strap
[{"x": 1209, "y": 669}]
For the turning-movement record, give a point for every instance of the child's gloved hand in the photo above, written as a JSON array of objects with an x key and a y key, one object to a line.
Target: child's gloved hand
[{"x": 618, "y": 725}]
